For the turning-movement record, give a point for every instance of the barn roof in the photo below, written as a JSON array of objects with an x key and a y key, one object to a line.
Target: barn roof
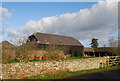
[
  {"x": 44, "y": 38},
  {"x": 106, "y": 49},
  {"x": 88, "y": 49},
  {"x": 99, "y": 49}
]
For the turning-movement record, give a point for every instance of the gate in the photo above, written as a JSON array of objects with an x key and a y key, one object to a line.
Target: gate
[{"x": 113, "y": 61}]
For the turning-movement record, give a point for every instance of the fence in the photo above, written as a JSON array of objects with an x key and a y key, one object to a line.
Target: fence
[
  {"x": 114, "y": 60},
  {"x": 111, "y": 61}
]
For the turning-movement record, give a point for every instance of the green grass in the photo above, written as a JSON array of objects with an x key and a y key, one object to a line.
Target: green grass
[
  {"x": 29, "y": 61},
  {"x": 68, "y": 74},
  {"x": 13, "y": 61},
  {"x": 70, "y": 58},
  {"x": 67, "y": 58}
]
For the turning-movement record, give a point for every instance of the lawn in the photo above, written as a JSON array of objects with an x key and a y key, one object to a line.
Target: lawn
[{"x": 68, "y": 74}]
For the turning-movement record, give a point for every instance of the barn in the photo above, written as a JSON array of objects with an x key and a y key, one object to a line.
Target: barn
[
  {"x": 101, "y": 51},
  {"x": 43, "y": 40}
]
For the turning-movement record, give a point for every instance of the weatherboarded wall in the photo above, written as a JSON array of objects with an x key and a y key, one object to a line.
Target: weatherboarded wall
[{"x": 23, "y": 70}]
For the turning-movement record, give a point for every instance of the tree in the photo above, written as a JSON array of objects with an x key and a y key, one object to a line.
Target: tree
[
  {"x": 22, "y": 52},
  {"x": 94, "y": 43},
  {"x": 55, "y": 52},
  {"x": 114, "y": 45}
]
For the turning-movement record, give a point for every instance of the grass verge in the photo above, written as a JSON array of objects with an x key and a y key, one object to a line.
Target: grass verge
[
  {"x": 68, "y": 74},
  {"x": 67, "y": 58},
  {"x": 71, "y": 58}
]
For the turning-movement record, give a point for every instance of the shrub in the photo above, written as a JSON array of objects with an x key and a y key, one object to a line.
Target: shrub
[
  {"x": 54, "y": 52},
  {"x": 7, "y": 54},
  {"x": 22, "y": 54},
  {"x": 6, "y": 51}
]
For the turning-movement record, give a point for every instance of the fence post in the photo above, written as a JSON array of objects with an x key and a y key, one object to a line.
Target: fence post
[
  {"x": 101, "y": 65},
  {"x": 108, "y": 61}
]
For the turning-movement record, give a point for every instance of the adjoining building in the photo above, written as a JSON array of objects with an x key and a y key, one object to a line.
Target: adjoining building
[
  {"x": 43, "y": 40},
  {"x": 101, "y": 51}
]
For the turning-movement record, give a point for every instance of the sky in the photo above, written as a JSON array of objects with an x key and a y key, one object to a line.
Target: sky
[{"x": 81, "y": 20}]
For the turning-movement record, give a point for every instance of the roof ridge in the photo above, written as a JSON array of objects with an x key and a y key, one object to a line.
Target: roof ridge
[
  {"x": 64, "y": 38},
  {"x": 52, "y": 34}
]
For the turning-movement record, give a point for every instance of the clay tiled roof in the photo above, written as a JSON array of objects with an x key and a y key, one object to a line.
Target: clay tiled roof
[{"x": 56, "y": 39}]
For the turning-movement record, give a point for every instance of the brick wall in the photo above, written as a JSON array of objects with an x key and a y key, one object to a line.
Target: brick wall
[{"x": 23, "y": 70}]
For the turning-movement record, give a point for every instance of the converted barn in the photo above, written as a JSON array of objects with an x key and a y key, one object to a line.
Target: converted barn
[{"x": 43, "y": 40}]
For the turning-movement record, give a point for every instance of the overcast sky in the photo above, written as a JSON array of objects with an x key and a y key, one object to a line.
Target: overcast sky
[{"x": 81, "y": 20}]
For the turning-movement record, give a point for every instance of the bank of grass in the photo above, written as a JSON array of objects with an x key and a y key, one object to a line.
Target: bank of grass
[
  {"x": 68, "y": 74},
  {"x": 71, "y": 58},
  {"x": 28, "y": 61},
  {"x": 67, "y": 58}
]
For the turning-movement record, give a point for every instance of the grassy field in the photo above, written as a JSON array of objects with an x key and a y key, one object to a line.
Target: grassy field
[{"x": 68, "y": 74}]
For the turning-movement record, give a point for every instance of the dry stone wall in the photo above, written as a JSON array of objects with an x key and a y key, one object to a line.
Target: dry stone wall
[{"x": 23, "y": 70}]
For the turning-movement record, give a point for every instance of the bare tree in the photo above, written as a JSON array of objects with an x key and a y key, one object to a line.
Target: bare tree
[
  {"x": 113, "y": 44},
  {"x": 55, "y": 51},
  {"x": 22, "y": 52}
]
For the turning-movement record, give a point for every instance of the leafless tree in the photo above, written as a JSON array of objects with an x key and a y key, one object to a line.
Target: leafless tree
[
  {"x": 55, "y": 51},
  {"x": 114, "y": 45}
]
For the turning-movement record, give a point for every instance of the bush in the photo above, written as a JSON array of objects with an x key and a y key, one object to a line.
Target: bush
[
  {"x": 7, "y": 51},
  {"x": 22, "y": 54},
  {"x": 7, "y": 55},
  {"x": 54, "y": 52}
]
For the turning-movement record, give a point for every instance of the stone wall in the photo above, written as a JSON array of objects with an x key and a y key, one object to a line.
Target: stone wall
[{"x": 23, "y": 70}]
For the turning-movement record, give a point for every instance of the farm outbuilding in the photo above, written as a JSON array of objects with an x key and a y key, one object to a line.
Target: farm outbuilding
[
  {"x": 43, "y": 40},
  {"x": 100, "y": 51}
]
